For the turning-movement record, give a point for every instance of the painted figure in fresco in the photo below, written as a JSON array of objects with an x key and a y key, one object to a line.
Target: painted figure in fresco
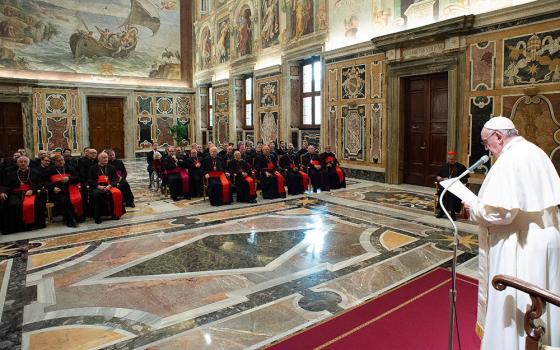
[
  {"x": 206, "y": 52},
  {"x": 245, "y": 33},
  {"x": 222, "y": 46},
  {"x": 270, "y": 27},
  {"x": 302, "y": 15},
  {"x": 351, "y": 26}
]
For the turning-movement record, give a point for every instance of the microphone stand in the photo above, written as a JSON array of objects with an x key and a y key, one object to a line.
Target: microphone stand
[{"x": 453, "y": 290}]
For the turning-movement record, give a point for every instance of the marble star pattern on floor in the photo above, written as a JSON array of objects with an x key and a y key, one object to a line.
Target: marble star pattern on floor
[{"x": 186, "y": 275}]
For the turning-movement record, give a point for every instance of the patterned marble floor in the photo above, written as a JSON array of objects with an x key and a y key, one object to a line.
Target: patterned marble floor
[{"x": 184, "y": 275}]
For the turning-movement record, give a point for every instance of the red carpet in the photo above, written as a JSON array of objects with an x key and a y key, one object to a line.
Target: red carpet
[{"x": 412, "y": 316}]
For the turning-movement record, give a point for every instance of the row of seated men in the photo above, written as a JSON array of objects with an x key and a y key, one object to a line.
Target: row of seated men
[
  {"x": 245, "y": 170},
  {"x": 93, "y": 185}
]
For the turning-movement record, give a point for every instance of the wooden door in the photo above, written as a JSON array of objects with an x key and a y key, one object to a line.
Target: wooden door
[
  {"x": 425, "y": 128},
  {"x": 11, "y": 128},
  {"x": 106, "y": 126}
]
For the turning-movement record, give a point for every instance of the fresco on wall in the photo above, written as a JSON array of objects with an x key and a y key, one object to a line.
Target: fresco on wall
[
  {"x": 270, "y": 23},
  {"x": 204, "y": 55},
  {"x": 301, "y": 15},
  {"x": 244, "y": 32},
  {"x": 137, "y": 38},
  {"x": 223, "y": 41},
  {"x": 532, "y": 59},
  {"x": 354, "y": 21}
]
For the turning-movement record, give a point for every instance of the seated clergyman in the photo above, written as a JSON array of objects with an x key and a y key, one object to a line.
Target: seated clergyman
[
  {"x": 106, "y": 198},
  {"x": 450, "y": 169},
  {"x": 219, "y": 187}
]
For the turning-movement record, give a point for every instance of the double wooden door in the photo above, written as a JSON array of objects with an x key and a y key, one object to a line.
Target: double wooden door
[
  {"x": 11, "y": 128},
  {"x": 106, "y": 125},
  {"x": 425, "y": 128}
]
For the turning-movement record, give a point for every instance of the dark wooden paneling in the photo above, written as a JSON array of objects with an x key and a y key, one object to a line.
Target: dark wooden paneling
[
  {"x": 425, "y": 128},
  {"x": 106, "y": 125},
  {"x": 11, "y": 128}
]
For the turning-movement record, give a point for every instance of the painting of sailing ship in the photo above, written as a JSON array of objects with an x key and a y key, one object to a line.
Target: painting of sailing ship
[{"x": 136, "y": 38}]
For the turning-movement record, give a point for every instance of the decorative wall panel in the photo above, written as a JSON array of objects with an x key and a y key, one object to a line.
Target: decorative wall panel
[
  {"x": 377, "y": 79},
  {"x": 221, "y": 115},
  {"x": 56, "y": 120},
  {"x": 268, "y": 109},
  {"x": 332, "y": 139},
  {"x": 538, "y": 120},
  {"x": 155, "y": 114},
  {"x": 269, "y": 126},
  {"x": 332, "y": 85},
  {"x": 483, "y": 65},
  {"x": 354, "y": 110},
  {"x": 532, "y": 59},
  {"x": 353, "y": 84},
  {"x": 375, "y": 133},
  {"x": 353, "y": 132},
  {"x": 480, "y": 111}
]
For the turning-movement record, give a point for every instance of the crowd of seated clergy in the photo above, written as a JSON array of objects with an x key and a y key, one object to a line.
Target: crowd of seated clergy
[
  {"x": 93, "y": 186},
  {"x": 273, "y": 169}
]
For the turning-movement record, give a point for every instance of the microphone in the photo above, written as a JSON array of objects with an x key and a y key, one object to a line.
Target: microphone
[{"x": 478, "y": 163}]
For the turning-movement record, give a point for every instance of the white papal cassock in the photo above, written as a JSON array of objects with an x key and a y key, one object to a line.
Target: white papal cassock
[{"x": 519, "y": 225}]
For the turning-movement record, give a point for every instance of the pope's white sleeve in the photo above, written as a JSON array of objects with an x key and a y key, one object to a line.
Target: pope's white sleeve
[{"x": 487, "y": 215}]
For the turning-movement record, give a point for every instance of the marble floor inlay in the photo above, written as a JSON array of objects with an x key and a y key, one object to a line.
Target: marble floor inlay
[{"x": 185, "y": 275}]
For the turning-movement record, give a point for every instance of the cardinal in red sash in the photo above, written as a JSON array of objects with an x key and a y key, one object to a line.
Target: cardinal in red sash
[
  {"x": 106, "y": 198},
  {"x": 310, "y": 161},
  {"x": 63, "y": 184},
  {"x": 272, "y": 182},
  {"x": 24, "y": 207},
  {"x": 219, "y": 186},
  {"x": 123, "y": 185},
  {"x": 296, "y": 180},
  {"x": 244, "y": 179},
  {"x": 334, "y": 175}
]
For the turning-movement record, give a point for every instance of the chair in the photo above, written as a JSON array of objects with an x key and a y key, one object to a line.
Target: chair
[{"x": 539, "y": 298}]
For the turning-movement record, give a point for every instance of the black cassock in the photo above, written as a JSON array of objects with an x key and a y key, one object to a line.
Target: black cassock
[
  {"x": 123, "y": 185},
  {"x": 13, "y": 208},
  {"x": 244, "y": 190},
  {"x": 173, "y": 177},
  {"x": 294, "y": 178},
  {"x": 219, "y": 187},
  {"x": 84, "y": 164},
  {"x": 103, "y": 202},
  {"x": 315, "y": 175},
  {"x": 272, "y": 186},
  {"x": 195, "y": 175},
  {"x": 61, "y": 200},
  {"x": 450, "y": 201},
  {"x": 333, "y": 175}
]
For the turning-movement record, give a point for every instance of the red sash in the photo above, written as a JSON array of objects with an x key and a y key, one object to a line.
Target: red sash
[
  {"x": 340, "y": 174},
  {"x": 251, "y": 183},
  {"x": 115, "y": 194},
  {"x": 329, "y": 159},
  {"x": 305, "y": 180},
  {"x": 280, "y": 182},
  {"x": 28, "y": 204},
  {"x": 315, "y": 162},
  {"x": 225, "y": 184},
  {"x": 73, "y": 192},
  {"x": 184, "y": 177}
]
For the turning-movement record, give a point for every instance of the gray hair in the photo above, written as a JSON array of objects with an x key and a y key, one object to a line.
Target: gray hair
[{"x": 508, "y": 132}]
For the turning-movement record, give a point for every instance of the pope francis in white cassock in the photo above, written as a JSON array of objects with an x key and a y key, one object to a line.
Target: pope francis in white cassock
[{"x": 519, "y": 235}]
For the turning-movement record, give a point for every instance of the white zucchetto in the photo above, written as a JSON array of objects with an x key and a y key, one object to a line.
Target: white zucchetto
[{"x": 499, "y": 123}]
